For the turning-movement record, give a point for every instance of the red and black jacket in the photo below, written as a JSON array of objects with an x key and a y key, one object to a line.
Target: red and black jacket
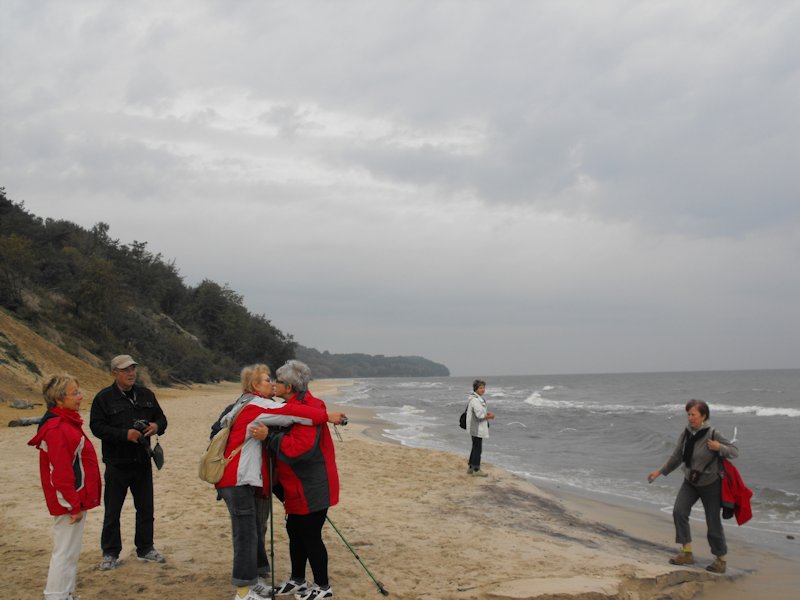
[
  {"x": 67, "y": 463},
  {"x": 306, "y": 463}
]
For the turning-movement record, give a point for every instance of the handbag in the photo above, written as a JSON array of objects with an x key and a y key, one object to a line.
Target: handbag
[{"x": 157, "y": 454}]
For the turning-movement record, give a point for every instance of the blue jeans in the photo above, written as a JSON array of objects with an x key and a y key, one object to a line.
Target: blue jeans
[{"x": 249, "y": 511}]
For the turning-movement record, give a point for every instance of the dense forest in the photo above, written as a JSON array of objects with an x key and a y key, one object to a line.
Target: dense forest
[{"x": 88, "y": 292}]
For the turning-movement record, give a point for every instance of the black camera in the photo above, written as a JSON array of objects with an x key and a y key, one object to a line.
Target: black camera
[
  {"x": 344, "y": 421},
  {"x": 694, "y": 475},
  {"x": 140, "y": 425}
]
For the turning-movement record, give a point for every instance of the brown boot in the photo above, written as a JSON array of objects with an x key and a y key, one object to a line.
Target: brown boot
[
  {"x": 682, "y": 558},
  {"x": 718, "y": 566}
]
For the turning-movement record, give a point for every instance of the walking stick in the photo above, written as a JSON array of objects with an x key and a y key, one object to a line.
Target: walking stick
[
  {"x": 271, "y": 532},
  {"x": 381, "y": 589}
]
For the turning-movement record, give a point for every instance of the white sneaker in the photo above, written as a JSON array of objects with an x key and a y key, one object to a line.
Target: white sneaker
[
  {"x": 316, "y": 593},
  {"x": 290, "y": 586},
  {"x": 256, "y": 592}
]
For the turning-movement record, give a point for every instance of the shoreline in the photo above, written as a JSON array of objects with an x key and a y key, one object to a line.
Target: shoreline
[
  {"x": 771, "y": 571},
  {"x": 421, "y": 525}
]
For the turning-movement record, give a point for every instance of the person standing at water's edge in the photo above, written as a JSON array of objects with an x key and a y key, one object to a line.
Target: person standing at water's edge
[
  {"x": 698, "y": 451},
  {"x": 124, "y": 416},
  {"x": 478, "y": 425}
]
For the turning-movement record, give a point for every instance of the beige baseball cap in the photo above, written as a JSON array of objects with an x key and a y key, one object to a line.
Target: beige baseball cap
[{"x": 123, "y": 361}]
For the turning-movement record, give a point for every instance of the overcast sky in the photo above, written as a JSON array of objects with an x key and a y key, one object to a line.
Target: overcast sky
[{"x": 505, "y": 187}]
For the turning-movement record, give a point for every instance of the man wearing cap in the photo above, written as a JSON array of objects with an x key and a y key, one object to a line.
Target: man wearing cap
[{"x": 124, "y": 416}]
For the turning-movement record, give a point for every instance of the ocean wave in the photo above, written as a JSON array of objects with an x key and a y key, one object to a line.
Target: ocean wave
[{"x": 759, "y": 411}]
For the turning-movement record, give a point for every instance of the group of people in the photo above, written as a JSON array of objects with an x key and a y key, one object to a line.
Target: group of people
[
  {"x": 124, "y": 416},
  {"x": 278, "y": 443},
  {"x": 699, "y": 452}
]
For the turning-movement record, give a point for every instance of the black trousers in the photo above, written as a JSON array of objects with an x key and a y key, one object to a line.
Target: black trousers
[
  {"x": 306, "y": 545},
  {"x": 475, "y": 455},
  {"x": 139, "y": 478}
]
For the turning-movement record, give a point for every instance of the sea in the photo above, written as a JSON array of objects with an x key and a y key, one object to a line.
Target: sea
[{"x": 599, "y": 435}]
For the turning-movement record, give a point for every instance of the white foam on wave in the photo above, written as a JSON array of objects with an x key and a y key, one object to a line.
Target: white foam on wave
[{"x": 759, "y": 411}]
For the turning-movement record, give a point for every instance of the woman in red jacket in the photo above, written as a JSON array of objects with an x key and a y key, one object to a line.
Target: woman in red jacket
[
  {"x": 70, "y": 480},
  {"x": 306, "y": 465}
]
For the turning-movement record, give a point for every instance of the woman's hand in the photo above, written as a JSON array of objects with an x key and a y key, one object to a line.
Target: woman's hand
[
  {"x": 714, "y": 445},
  {"x": 259, "y": 431},
  {"x": 336, "y": 418},
  {"x": 489, "y": 416},
  {"x": 653, "y": 476}
]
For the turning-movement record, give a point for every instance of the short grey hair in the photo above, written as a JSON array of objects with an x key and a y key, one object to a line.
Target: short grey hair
[{"x": 295, "y": 373}]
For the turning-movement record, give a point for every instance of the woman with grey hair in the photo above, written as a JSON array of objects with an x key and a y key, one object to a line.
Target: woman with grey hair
[
  {"x": 245, "y": 483},
  {"x": 307, "y": 473}
]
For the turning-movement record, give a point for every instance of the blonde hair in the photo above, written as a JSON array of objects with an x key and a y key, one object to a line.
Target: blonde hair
[
  {"x": 251, "y": 374},
  {"x": 55, "y": 388}
]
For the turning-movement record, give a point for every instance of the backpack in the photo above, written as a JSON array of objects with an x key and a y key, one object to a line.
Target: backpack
[
  {"x": 462, "y": 420},
  {"x": 213, "y": 461}
]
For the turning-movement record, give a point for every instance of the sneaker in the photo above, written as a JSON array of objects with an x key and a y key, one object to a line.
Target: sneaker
[
  {"x": 682, "y": 558},
  {"x": 109, "y": 562},
  {"x": 256, "y": 592},
  {"x": 479, "y": 473},
  {"x": 718, "y": 566},
  {"x": 291, "y": 586},
  {"x": 152, "y": 556},
  {"x": 316, "y": 593}
]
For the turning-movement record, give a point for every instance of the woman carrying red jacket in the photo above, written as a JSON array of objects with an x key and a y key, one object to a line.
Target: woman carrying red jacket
[
  {"x": 306, "y": 465},
  {"x": 70, "y": 480}
]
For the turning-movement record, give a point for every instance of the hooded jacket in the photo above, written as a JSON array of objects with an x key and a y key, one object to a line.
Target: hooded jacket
[
  {"x": 477, "y": 424},
  {"x": 306, "y": 463},
  {"x": 68, "y": 464},
  {"x": 249, "y": 466}
]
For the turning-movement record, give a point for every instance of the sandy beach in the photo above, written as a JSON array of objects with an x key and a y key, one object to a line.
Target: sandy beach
[{"x": 422, "y": 526}]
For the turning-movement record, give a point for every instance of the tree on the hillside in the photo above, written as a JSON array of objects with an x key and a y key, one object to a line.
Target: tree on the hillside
[{"x": 17, "y": 261}]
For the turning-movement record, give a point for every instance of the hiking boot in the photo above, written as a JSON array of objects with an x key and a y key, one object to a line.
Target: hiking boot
[
  {"x": 718, "y": 566},
  {"x": 109, "y": 562},
  {"x": 316, "y": 593},
  {"x": 682, "y": 558},
  {"x": 291, "y": 586},
  {"x": 152, "y": 556}
]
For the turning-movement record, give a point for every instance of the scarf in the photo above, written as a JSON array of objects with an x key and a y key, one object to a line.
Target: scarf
[{"x": 689, "y": 441}]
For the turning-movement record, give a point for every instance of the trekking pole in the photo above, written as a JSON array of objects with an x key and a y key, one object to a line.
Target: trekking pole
[
  {"x": 381, "y": 589},
  {"x": 271, "y": 532}
]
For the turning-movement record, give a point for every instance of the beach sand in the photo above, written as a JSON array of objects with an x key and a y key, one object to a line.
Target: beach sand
[{"x": 421, "y": 525}]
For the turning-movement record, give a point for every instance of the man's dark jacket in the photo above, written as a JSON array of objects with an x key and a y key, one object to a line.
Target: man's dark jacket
[{"x": 113, "y": 414}]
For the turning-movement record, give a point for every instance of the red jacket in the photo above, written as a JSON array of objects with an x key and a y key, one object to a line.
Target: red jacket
[
  {"x": 67, "y": 463},
  {"x": 249, "y": 466},
  {"x": 735, "y": 494},
  {"x": 306, "y": 464}
]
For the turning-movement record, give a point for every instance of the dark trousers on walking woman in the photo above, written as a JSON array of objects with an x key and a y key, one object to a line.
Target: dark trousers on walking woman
[
  {"x": 711, "y": 496},
  {"x": 475, "y": 455}
]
